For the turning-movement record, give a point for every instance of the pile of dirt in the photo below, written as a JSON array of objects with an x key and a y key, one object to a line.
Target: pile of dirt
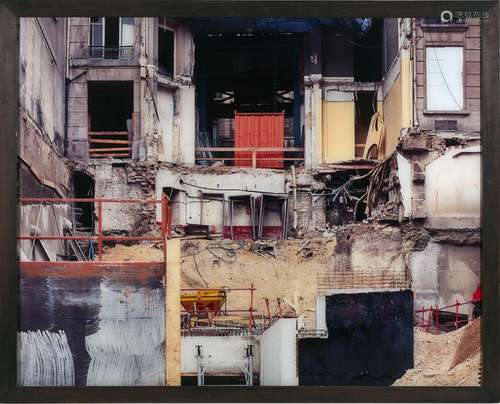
[
  {"x": 434, "y": 360},
  {"x": 284, "y": 269},
  {"x": 137, "y": 253}
]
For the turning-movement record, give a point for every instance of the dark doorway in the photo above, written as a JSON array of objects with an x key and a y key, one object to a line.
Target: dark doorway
[
  {"x": 110, "y": 106},
  {"x": 366, "y": 105},
  {"x": 83, "y": 187}
]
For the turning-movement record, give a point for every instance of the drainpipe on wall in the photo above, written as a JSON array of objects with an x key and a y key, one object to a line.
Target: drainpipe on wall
[
  {"x": 413, "y": 61},
  {"x": 68, "y": 81}
]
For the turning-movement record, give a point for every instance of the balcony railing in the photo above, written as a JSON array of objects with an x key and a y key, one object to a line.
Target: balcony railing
[
  {"x": 249, "y": 156},
  {"x": 107, "y": 52},
  {"x": 109, "y": 144}
]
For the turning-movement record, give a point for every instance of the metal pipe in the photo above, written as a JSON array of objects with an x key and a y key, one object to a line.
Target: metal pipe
[
  {"x": 99, "y": 231},
  {"x": 103, "y": 200}
]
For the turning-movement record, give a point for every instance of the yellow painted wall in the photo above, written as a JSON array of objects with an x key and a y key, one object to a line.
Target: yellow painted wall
[
  {"x": 392, "y": 107},
  {"x": 407, "y": 92},
  {"x": 338, "y": 131},
  {"x": 398, "y": 106}
]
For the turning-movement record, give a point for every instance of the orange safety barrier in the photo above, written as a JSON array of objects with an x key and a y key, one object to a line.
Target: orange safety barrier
[
  {"x": 165, "y": 225},
  {"x": 432, "y": 313}
]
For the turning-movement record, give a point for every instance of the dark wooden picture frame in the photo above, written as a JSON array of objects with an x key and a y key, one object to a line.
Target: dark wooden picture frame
[{"x": 11, "y": 10}]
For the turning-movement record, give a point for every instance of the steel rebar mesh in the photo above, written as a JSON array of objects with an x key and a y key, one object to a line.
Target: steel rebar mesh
[{"x": 357, "y": 278}]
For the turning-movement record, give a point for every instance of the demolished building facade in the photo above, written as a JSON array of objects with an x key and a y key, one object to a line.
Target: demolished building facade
[{"x": 364, "y": 130}]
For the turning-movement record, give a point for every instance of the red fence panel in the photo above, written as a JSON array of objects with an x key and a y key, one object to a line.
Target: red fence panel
[{"x": 259, "y": 130}]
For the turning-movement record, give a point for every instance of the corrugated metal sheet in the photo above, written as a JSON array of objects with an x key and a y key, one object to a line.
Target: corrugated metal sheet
[{"x": 259, "y": 130}]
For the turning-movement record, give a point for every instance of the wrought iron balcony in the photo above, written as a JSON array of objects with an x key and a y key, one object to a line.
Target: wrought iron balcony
[{"x": 108, "y": 52}]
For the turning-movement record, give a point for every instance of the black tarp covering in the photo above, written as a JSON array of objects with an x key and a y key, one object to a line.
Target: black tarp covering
[{"x": 370, "y": 341}]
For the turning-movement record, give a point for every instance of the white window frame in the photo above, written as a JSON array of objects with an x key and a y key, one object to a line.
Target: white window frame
[
  {"x": 457, "y": 99},
  {"x": 103, "y": 33},
  {"x": 103, "y": 25}
]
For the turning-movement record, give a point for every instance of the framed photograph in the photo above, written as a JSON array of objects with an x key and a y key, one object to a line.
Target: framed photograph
[{"x": 249, "y": 201}]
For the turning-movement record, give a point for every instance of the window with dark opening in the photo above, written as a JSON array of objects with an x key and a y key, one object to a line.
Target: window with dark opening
[
  {"x": 165, "y": 50},
  {"x": 257, "y": 74},
  {"x": 111, "y": 37},
  {"x": 110, "y": 106}
]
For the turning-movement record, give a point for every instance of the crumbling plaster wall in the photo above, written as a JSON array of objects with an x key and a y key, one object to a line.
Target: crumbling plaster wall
[
  {"x": 176, "y": 101},
  {"x": 444, "y": 273},
  {"x": 439, "y": 177},
  {"x": 125, "y": 181},
  {"x": 42, "y": 98},
  {"x": 195, "y": 181},
  {"x": 309, "y": 208},
  {"x": 42, "y": 134},
  {"x": 369, "y": 248},
  {"x": 42, "y": 76}
]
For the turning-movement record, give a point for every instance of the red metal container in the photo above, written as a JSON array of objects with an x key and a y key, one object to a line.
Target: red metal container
[{"x": 259, "y": 130}]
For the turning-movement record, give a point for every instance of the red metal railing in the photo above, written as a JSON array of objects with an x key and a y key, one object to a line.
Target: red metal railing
[
  {"x": 165, "y": 225},
  {"x": 432, "y": 314}
]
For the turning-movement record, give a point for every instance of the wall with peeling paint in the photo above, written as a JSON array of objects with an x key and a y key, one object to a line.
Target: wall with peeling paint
[
  {"x": 453, "y": 189},
  {"x": 338, "y": 130},
  {"x": 188, "y": 207}
]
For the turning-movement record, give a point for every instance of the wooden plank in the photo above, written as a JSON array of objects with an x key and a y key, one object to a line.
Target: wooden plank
[
  {"x": 111, "y": 155},
  {"x": 109, "y": 149},
  {"x": 109, "y": 133},
  {"x": 173, "y": 313},
  {"x": 249, "y": 158},
  {"x": 109, "y": 141}
]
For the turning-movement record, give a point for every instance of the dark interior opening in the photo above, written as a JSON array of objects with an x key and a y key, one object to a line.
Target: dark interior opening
[
  {"x": 110, "y": 106},
  {"x": 218, "y": 380},
  {"x": 366, "y": 105},
  {"x": 247, "y": 73},
  {"x": 83, "y": 187},
  {"x": 112, "y": 32},
  {"x": 165, "y": 51},
  {"x": 368, "y": 54}
]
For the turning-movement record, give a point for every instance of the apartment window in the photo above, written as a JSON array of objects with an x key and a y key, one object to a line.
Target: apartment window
[
  {"x": 111, "y": 37},
  {"x": 444, "y": 78},
  {"x": 97, "y": 37},
  {"x": 165, "y": 50}
]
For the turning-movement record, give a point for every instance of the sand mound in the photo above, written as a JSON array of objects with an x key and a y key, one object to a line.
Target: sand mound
[
  {"x": 434, "y": 356},
  {"x": 138, "y": 253}
]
